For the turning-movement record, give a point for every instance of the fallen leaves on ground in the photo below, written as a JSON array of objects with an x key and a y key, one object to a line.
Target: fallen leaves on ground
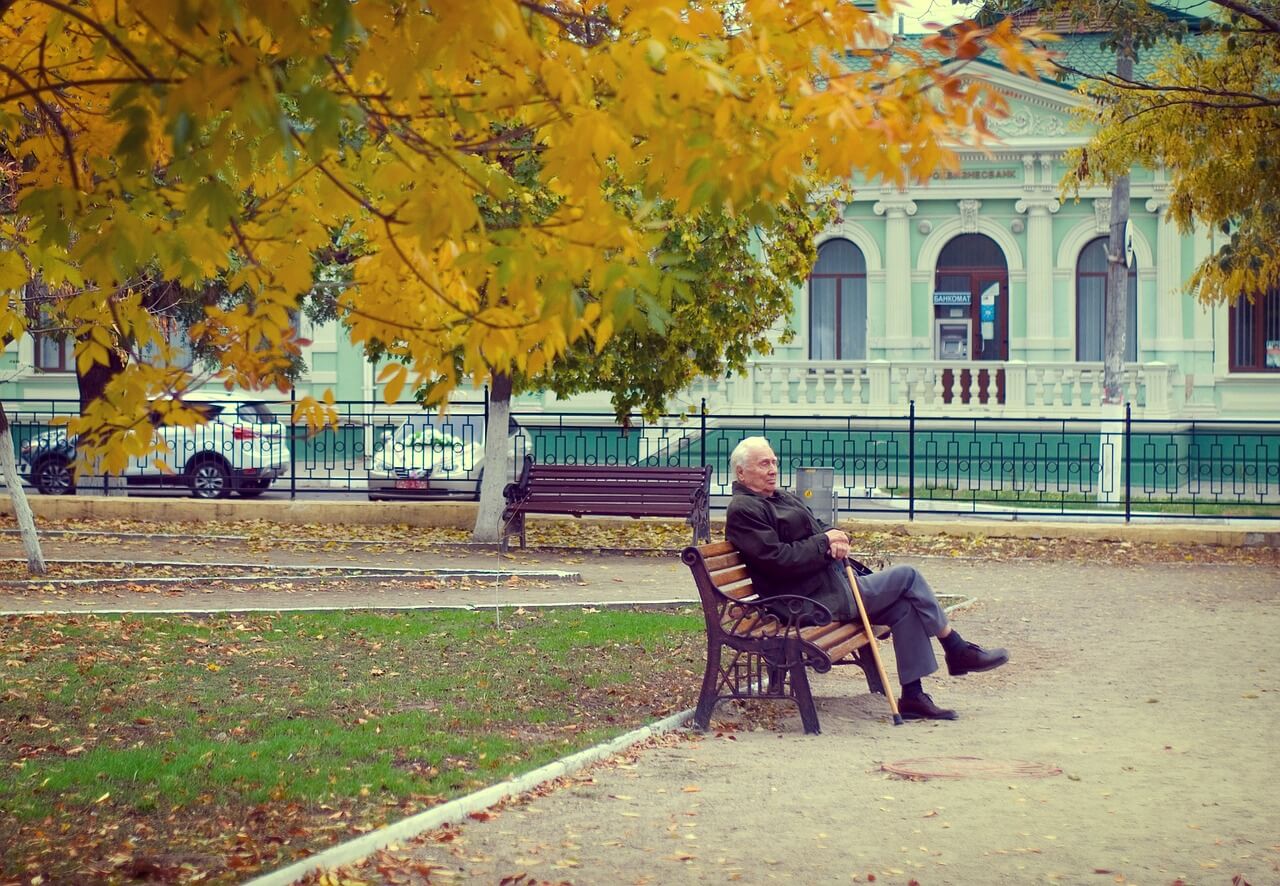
[{"x": 575, "y": 538}]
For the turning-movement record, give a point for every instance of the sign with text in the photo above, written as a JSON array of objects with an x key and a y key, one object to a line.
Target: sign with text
[{"x": 951, "y": 298}]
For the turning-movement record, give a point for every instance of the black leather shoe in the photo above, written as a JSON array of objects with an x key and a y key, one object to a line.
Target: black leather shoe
[
  {"x": 921, "y": 707},
  {"x": 974, "y": 658}
]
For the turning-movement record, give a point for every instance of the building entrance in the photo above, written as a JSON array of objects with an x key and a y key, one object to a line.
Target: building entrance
[{"x": 971, "y": 317}]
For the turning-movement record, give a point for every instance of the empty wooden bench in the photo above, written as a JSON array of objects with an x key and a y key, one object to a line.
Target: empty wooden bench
[
  {"x": 609, "y": 491},
  {"x": 759, "y": 651}
]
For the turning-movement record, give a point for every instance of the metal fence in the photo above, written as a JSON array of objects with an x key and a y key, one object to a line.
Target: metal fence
[{"x": 904, "y": 464}]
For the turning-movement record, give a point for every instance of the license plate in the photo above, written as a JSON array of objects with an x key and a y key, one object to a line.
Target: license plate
[{"x": 411, "y": 484}]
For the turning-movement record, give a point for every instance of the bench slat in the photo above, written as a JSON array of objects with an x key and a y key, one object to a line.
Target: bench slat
[
  {"x": 729, "y": 576},
  {"x": 723, "y": 561},
  {"x": 714, "y": 549},
  {"x": 739, "y": 592}
]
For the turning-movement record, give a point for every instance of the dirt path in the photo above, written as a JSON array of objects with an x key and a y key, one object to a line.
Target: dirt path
[
  {"x": 583, "y": 577},
  {"x": 1154, "y": 690}
]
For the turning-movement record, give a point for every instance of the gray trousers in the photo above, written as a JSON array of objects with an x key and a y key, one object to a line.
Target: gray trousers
[{"x": 900, "y": 598}]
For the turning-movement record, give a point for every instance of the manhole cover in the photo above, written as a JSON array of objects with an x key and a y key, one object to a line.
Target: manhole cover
[{"x": 922, "y": 768}]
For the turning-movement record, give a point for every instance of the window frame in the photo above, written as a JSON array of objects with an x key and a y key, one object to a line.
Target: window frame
[
  {"x": 839, "y": 278},
  {"x": 1131, "y": 333},
  {"x": 66, "y": 362},
  {"x": 1256, "y": 309}
]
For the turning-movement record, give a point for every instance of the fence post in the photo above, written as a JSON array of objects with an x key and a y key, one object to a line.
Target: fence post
[
  {"x": 1128, "y": 459},
  {"x": 911, "y": 461},
  {"x": 702, "y": 438},
  {"x": 293, "y": 449}
]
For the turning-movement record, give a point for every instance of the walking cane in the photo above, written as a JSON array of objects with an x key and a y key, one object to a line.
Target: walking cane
[{"x": 873, "y": 645}]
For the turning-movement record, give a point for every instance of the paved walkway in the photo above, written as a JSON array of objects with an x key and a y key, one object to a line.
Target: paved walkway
[
  {"x": 1131, "y": 738},
  {"x": 533, "y": 578}
]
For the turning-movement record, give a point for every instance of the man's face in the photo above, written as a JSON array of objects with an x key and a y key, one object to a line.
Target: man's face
[{"x": 759, "y": 472}]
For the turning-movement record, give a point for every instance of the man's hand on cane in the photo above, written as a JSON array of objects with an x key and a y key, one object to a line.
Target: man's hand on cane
[{"x": 839, "y": 544}]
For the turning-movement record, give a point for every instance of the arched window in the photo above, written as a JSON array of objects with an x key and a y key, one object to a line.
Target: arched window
[
  {"x": 838, "y": 303},
  {"x": 1255, "y": 333},
  {"x": 971, "y": 282},
  {"x": 1091, "y": 304}
]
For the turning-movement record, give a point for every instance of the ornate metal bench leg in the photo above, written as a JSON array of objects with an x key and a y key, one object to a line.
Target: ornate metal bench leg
[
  {"x": 702, "y": 716},
  {"x": 707, "y": 697},
  {"x": 804, "y": 698},
  {"x": 874, "y": 685},
  {"x": 774, "y": 677}
]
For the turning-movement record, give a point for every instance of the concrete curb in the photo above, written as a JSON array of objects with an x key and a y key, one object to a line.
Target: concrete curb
[{"x": 457, "y": 810}]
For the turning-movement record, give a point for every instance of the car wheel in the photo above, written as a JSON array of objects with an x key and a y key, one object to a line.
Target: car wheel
[
  {"x": 209, "y": 478},
  {"x": 52, "y": 476}
]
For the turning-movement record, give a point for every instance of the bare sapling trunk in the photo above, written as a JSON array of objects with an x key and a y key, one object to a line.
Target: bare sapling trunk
[
  {"x": 1116, "y": 318},
  {"x": 496, "y": 469},
  {"x": 1115, "y": 324},
  {"x": 18, "y": 495}
]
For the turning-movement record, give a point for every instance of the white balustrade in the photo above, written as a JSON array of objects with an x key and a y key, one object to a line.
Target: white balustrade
[{"x": 1013, "y": 389}]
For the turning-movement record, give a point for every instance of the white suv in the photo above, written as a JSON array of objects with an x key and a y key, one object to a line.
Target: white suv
[{"x": 241, "y": 448}]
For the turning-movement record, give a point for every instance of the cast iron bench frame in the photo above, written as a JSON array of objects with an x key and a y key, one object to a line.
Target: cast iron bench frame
[
  {"x": 609, "y": 490},
  {"x": 759, "y": 651}
]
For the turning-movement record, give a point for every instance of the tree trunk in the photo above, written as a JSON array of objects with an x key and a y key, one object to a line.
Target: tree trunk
[
  {"x": 21, "y": 507},
  {"x": 92, "y": 384},
  {"x": 1116, "y": 318},
  {"x": 1115, "y": 326},
  {"x": 496, "y": 469}
]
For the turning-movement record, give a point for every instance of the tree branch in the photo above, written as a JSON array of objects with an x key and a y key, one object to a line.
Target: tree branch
[
  {"x": 102, "y": 31},
  {"x": 1249, "y": 10}
]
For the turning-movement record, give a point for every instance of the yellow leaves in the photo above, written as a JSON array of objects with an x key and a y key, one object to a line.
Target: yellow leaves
[
  {"x": 13, "y": 270},
  {"x": 393, "y": 376},
  {"x": 478, "y": 142},
  {"x": 603, "y": 332}
]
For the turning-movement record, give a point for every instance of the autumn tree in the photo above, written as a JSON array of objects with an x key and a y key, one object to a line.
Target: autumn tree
[
  {"x": 1206, "y": 110},
  {"x": 728, "y": 280},
  {"x": 198, "y": 139},
  {"x": 1209, "y": 114}
]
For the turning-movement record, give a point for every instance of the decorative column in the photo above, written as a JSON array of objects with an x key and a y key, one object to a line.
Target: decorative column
[
  {"x": 897, "y": 209},
  {"x": 1039, "y": 304},
  {"x": 1169, "y": 298}
]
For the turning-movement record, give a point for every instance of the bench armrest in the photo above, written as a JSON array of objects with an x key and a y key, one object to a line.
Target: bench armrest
[
  {"x": 519, "y": 490},
  {"x": 779, "y": 616}
]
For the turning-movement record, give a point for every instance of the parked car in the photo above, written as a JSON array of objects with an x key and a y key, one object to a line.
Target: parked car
[
  {"x": 242, "y": 447},
  {"x": 421, "y": 459}
]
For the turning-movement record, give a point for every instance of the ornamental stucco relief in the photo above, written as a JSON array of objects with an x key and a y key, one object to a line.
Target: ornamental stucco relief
[{"x": 1024, "y": 122}]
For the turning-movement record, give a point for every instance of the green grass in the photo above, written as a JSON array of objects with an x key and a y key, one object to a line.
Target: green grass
[{"x": 201, "y": 739}]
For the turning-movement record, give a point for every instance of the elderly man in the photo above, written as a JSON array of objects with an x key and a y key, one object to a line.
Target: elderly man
[{"x": 789, "y": 551}]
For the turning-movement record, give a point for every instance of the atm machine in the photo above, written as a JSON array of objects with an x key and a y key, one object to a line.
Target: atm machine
[
  {"x": 952, "y": 332},
  {"x": 952, "y": 325}
]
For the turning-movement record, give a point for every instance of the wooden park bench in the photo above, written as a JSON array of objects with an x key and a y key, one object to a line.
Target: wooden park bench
[
  {"x": 760, "y": 648},
  {"x": 609, "y": 490}
]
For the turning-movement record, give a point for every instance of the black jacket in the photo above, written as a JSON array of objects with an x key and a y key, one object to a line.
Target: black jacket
[{"x": 786, "y": 549}]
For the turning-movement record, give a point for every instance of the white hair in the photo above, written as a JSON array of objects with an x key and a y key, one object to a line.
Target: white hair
[{"x": 744, "y": 449}]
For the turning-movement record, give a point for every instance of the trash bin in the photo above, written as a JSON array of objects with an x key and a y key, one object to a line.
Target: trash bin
[{"x": 817, "y": 486}]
